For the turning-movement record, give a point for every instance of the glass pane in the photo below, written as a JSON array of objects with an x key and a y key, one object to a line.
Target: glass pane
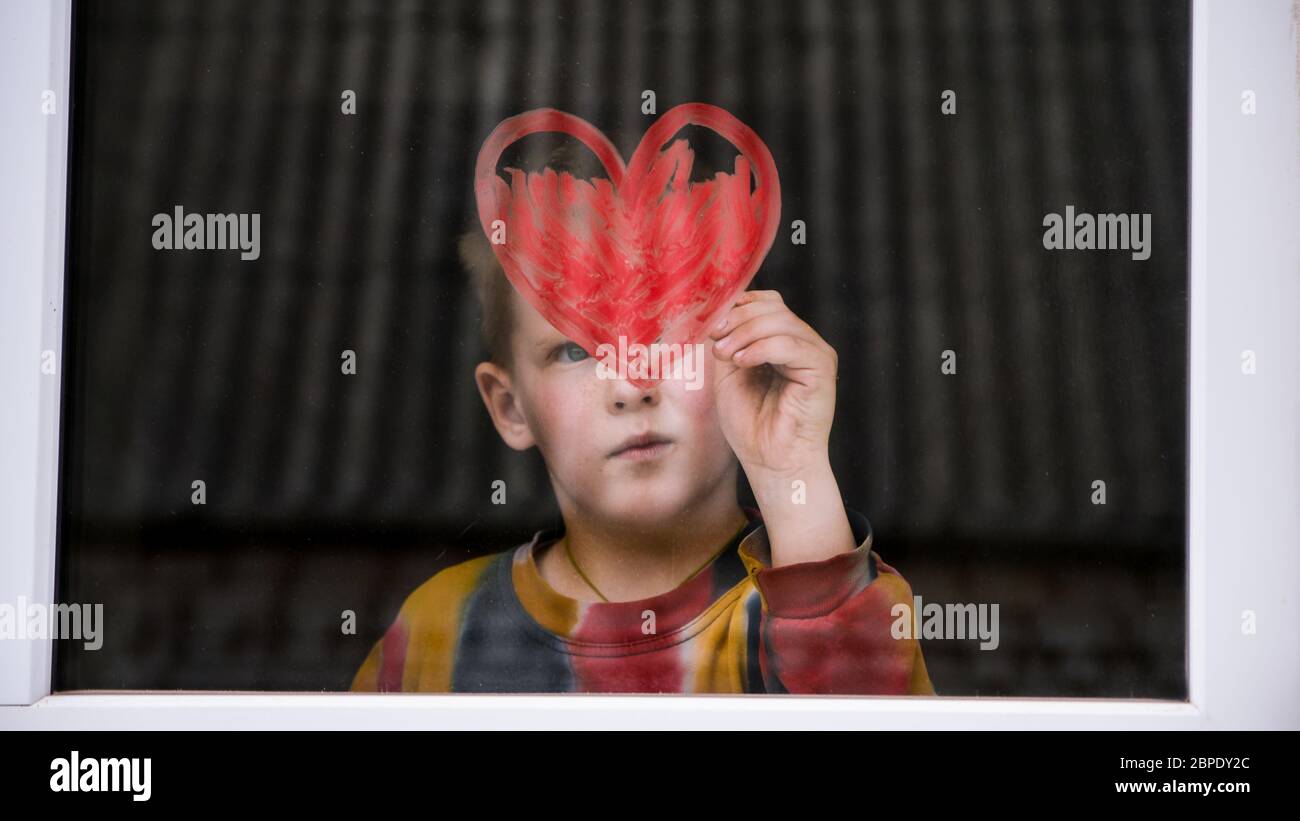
[{"x": 279, "y": 468}]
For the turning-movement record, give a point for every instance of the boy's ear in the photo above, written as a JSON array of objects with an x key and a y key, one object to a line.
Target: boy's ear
[{"x": 497, "y": 390}]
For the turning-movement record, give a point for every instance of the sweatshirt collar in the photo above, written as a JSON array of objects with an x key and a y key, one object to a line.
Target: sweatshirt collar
[{"x": 626, "y": 622}]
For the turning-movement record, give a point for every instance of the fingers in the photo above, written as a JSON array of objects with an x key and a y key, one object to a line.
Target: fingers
[
  {"x": 797, "y": 359},
  {"x": 738, "y": 336},
  {"x": 749, "y": 303},
  {"x": 768, "y": 295},
  {"x": 740, "y": 314},
  {"x": 745, "y": 333},
  {"x": 771, "y": 323}
]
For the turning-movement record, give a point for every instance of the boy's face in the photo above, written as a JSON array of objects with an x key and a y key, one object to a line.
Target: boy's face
[{"x": 553, "y": 398}]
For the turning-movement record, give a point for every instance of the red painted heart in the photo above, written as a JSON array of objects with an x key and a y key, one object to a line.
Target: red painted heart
[{"x": 645, "y": 255}]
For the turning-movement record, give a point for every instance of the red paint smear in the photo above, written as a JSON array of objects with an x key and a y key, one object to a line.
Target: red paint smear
[
  {"x": 662, "y": 669},
  {"x": 647, "y": 254}
]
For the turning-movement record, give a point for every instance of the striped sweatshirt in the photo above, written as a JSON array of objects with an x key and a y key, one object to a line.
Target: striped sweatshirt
[{"x": 493, "y": 625}]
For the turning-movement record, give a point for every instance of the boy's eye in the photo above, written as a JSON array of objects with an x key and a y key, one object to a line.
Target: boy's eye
[{"x": 571, "y": 352}]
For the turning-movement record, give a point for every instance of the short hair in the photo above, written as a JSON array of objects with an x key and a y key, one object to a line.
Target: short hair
[
  {"x": 490, "y": 285},
  {"x": 492, "y": 290}
]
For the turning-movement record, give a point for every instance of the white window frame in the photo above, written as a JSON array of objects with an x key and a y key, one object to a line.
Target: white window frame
[{"x": 1243, "y": 446}]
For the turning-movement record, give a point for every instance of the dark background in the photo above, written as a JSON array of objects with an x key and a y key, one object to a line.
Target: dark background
[{"x": 328, "y": 492}]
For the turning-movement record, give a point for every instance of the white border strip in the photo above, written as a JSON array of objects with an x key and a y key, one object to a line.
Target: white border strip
[
  {"x": 1197, "y": 556},
  {"x": 357, "y": 711},
  {"x": 34, "y": 58},
  {"x": 1254, "y": 529}
]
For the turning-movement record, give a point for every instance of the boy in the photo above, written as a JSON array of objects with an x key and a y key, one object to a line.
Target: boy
[{"x": 659, "y": 581}]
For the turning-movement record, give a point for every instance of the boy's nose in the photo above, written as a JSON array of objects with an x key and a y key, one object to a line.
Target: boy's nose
[{"x": 625, "y": 394}]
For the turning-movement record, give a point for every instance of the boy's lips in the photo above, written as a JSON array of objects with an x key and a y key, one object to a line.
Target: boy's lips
[{"x": 644, "y": 444}]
